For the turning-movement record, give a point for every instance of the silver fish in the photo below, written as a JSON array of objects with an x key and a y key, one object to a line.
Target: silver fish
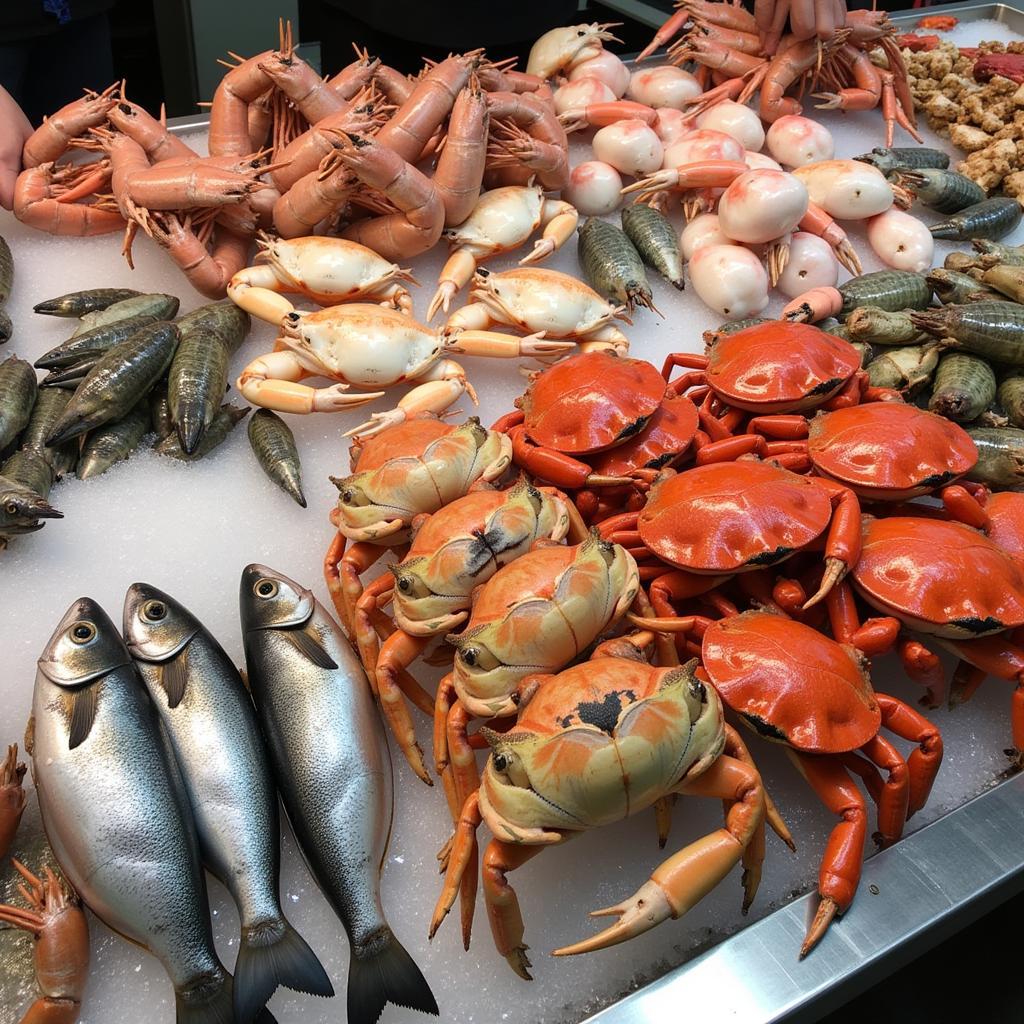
[
  {"x": 113, "y": 809},
  {"x": 330, "y": 758},
  {"x": 204, "y": 707}
]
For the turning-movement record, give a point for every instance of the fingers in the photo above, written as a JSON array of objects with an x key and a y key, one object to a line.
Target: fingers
[
  {"x": 14, "y": 130},
  {"x": 839, "y": 13},
  {"x": 777, "y": 27}
]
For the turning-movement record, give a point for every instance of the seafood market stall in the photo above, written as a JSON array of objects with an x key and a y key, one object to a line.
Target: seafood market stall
[{"x": 191, "y": 528}]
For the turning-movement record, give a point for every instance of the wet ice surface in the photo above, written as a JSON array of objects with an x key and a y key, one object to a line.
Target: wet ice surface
[{"x": 190, "y": 529}]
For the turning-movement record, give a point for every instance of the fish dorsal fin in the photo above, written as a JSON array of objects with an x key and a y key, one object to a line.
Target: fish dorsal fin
[
  {"x": 83, "y": 714},
  {"x": 307, "y": 642},
  {"x": 174, "y": 677}
]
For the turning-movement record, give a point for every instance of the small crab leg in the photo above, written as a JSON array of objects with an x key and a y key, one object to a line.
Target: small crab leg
[
  {"x": 703, "y": 174},
  {"x": 923, "y": 763},
  {"x": 687, "y": 877},
  {"x": 670, "y": 28},
  {"x": 819, "y": 223},
  {"x": 841, "y": 863}
]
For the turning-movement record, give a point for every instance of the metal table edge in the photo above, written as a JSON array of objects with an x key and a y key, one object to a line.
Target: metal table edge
[
  {"x": 1010, "y": 12},
  {"x": 911, "y": 896}
]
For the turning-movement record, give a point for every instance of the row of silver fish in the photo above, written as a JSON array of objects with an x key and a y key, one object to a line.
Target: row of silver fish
[{"x": 149, "y": 763}]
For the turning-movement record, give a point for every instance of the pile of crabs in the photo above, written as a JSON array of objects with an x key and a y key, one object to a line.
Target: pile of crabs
[{"x": 635, "y": 562}]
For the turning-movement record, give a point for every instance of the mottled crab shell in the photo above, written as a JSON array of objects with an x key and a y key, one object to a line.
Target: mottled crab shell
[
  {"x": 400, "y": 441},
  {"x": 939, "y": 577},
  {"x": 732, "y": 516},
  {"x": 780, "y": 367},
  {"x": 413, "y": 468},
  {"x": 596, "y": 743},
  {"x": 590, "y": 402},
  {"x": 668, "y": 435},
  {"x": 791, "y": 683},
  {"x": 1006, "y": 514},
  {"x": 537, "y": 614},
  {"x": 890, "y": 449}
]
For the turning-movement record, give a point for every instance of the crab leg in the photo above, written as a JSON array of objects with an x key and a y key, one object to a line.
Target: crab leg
[
  {"x": 391, "y": 689},
  {"x": 923, "y": 764},
  {"x": 688, "y": 876},
  {"x": 841, "y": 862},
  {"x": 271, "y": 381},
  {"x": 998, "y": 657},
  {"x": 378, "y": 593},
  {"x": 893, "y": 798},
  {"x": 819, "y": 223},
  {"x": 342, "y": 568}
]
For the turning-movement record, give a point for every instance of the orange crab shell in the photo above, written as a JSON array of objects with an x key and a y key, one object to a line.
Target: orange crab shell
[
  {"x": 403, "y": 439},
  {"x": 590, "y": 402},
  {"x": 889, "y": 449},
  {"x": 668, "y": 435},
  {"x": 731, "y": 516},
  {"x": 780, "y": 367},
  {"x": 1006, "y": 515},
  {"x": 791, "y": 683},
  {"x": 941, "y": 577},
  {"x": 466, "y": 515}
]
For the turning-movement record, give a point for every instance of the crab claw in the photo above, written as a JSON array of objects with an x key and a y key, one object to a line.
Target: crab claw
[
  {"x": 835, "y": 570},
  {"x": 647, "y": 907},
  {"x": 668, "y": 178},
  {"x": 827, "y": 910},
  {"x": 442, "y": 299},
  {"x": 542, "y": 248}
]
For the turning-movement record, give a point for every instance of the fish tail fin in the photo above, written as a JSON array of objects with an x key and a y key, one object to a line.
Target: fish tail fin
[
  {"x": 385, "y": 973},
  {"x": 207, "y": 1001},
  {"x": 271, "y": 954}
]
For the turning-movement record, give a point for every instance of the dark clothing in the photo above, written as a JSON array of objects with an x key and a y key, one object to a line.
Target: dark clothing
[
  {"x": 47, "y": 71},
  {"x": 30, "y": 19},
  {"x": 403, "y": 32}
]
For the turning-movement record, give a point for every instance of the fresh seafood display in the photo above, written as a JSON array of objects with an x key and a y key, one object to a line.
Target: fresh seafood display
[{"x": 554, "y": 613}]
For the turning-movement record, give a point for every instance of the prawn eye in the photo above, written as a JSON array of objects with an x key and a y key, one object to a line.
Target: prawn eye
[
  {"x": 82, "y": 632},
  {"x": 154, "y": 611},
  {"x": 11, "y": 508},
  {"x": 265, "y": 588},
  {"x": 500, "y": 762}
]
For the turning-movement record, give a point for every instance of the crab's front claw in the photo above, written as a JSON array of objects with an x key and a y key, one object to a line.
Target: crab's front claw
[
  {"x": 506, "y": 346},
  {"x": 542, "y": 248},
  {"x": 647, "y": 907},
  {"x": 442, "y": 299},
  {"x": 656, "y": 182}
]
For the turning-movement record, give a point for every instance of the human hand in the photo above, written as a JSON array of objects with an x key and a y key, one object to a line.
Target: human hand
[
  {"x": 14, "y": 130},
  {"x": 807, "y": 18}
]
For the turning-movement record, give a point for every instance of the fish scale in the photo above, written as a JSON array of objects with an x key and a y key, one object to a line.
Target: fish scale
[
  {"x": 17, "y": 398},
  {"x": 656, "y": 241},
  {"x": 612, "y": 265}
]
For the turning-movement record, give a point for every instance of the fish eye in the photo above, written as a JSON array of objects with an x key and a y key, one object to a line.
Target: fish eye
[
  {"x": 82, "y": 632},
  {"x": 154, "y": 611},
  {"x": 265, "y": 588}
]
